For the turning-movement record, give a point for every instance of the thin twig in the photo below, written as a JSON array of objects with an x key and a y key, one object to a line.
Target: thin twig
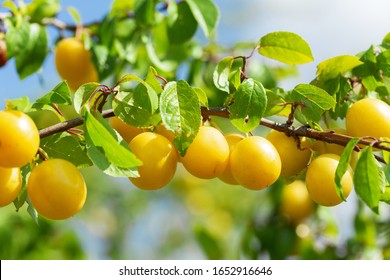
[{"x": 64, "y": 126}]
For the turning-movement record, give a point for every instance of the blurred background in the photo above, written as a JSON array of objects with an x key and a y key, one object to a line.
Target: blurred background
[{"x": 207, "y": 219}]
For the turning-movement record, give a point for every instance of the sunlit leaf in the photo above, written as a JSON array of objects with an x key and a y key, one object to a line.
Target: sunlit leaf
[
  {"x": 338, "y": 65},
  {"x": 384, "y": 62},
  {"x": 138, "y": 107},
  {"x": 386, "y": 40},
  {"x": 67, "y": 148},
  {"x": 121, "y": 7},
  {"x": 151, "y": 80},
  {"x": 21, "y": 104},
  {"x": 12, "y": 6},
  {"x": 40, "y": 9},
  {"x": 16, "y": 37},
  {"x": 367, "y": 180},
  {"x": 222, "y": 72},
  {"x": 181, "y": 23},
  {"x": 344, "y": 165},
  {"x": 180, "y": 113},
  {"x": 35, "y": 48},
  {"x": 60, "y": 94},
  {"x": 385, "y": 196},
  {"x": 145, "y": 12},
  {"x": 206, "y": 14},
  {"x": 84, "y": 96},
  {"x": 164, "y": 65},
  {"x": 75, "y": 15},
  {"x": 31, "y": 211},
  {"x": 104, "y": 62},
  {"x": 250, "y": 102},
  {"x": 129, "y": 78},
  {"x": 275, "y": 100},
  {"x": 106, "y": 150},
  {"x": 314, "y": 99},
  {"x": 286, "y": 47},
  {"x": 202, "y": 96},
  {"x": 387, "y": 173}
]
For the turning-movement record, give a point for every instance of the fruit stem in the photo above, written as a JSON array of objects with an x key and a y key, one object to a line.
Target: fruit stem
[{"x": 165, "y": 81}]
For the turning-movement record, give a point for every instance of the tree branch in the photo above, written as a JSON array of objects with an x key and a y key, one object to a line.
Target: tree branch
[
  {"x": 64, "y": 26},
  {"x": 66, "y": 125},
  {"x": 324, "y": 136}
]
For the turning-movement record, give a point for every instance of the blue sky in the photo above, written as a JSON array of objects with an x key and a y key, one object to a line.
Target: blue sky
[{"x": 331, "y": 28}]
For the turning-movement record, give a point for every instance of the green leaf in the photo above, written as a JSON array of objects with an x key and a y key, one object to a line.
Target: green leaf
[
  {"x": 314, "y": 99},
  {"x": 202, "y": 96},
  {"x": 339, "y": 88},
  {"x": 222, "y": 72},
  {"x": 16, "y": 37},
  {"x": 180, "y": 113},
  {"x": 137, "y": 108},
  {"x": 206, "y": 13},
  {"x": 274, "y": 99},
  {"x": 382, "y": 177},
  {"x": 164, "y": 65},
  {"x": 344, "y": 165},
  {"x": 384, "y": 62},
  {"x": 45, "y": 116},
  {"x": 104, "y": 62},
  {"x": 20, "y": 104},
  {"x": 34, "y": 52},
  {"x": 386, "y": 157},
  {"x": 21, "y": 199},
  {"x": 181, "y": 23},
  {"x": 40, "y": 9},
  {"x": 28, "y": 44},
  {"x": 370, "y": 83},
  {"x": 386, "y": 40},
  {"x": 107, "y": 33},
  {"x": 12, "y": 6},
  {"x": 129, "y": 78},
  {"x": 120, "y": 8},
  {"x": 75, "y": 15},
  {"x": 22, "y": 196},
  {"x": 145, "y": 12},
  {"x": 160, "y": 40},
  {"x": 66, "y": 147},
  {"x": 107, "y": 150},
  {"x": 286, "y": 47},
  {"x": 83, "y": 95},
  {"x": 60, "y": 94},
  {"x": 152, "y": 80},
  {"x": 385, "y": 196},
  {"x": 369, "y": 66},
  {"x": 235, "y": 75},
  {"x": 250, "y": 102},
  {"x": 368, "y": 56},
  {"x": 367, "y": 180},
  {"x": 386, "y": 154},
  {"x": 31, "y": 211},
  {"x": 386, "y": 171},
  {"x": 331, "y": 68}
]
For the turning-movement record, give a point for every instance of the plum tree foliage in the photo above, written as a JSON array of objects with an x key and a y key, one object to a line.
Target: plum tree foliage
[{"x": 126, "y": 67}]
